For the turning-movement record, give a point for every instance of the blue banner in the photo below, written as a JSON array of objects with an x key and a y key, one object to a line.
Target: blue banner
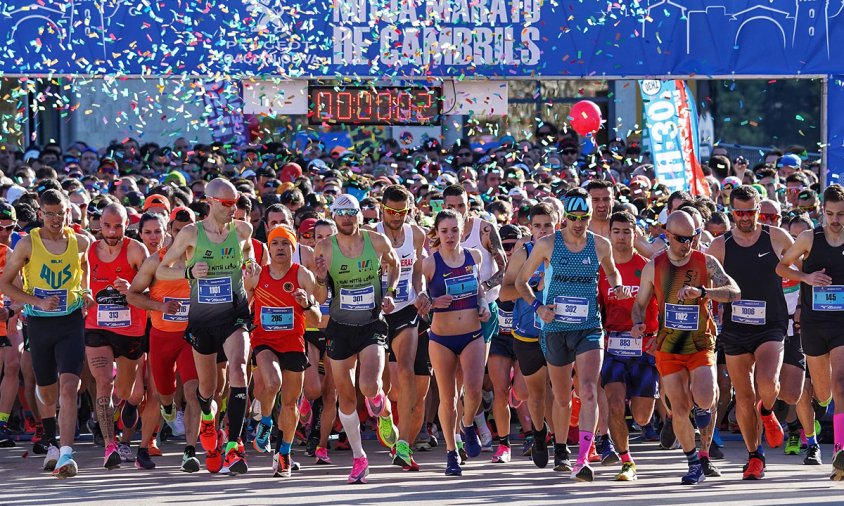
[{"x": 296, "y": 38}]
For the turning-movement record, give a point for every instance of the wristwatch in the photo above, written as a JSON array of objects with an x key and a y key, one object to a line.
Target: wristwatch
[{"x": 702, "y": 291}]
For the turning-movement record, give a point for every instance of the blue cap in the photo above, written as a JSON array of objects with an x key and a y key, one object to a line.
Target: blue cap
[
  {"x": 578, "y": 203},
  {"x": 789, "y": 160}
]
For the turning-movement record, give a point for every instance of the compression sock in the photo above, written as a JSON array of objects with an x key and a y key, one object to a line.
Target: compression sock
[
  {"x": 586, "y": 439},
  {"x": 236, "y": 411},
  {"x": 351, "y": 424}
]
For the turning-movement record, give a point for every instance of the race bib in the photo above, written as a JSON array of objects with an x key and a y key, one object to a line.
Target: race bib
[
  {"x": 179, "y": 316},
  {"x": 681, "y": 317},
  {"x": 828, "y": 298},
  {"x": 623, "y": 344},
  {"x": 571, "y": 309},
  {"x": 462, "y": 287},
  {"x": 61, "y": 294},
  {"x": 358, "y": 299},
  {"x": 215, "y": 290},
  {"x": 325, "y": 309},
  {"x": 402, "y": 290},
  {"x": 505, "y": 321},
  {"x": 276, "y": 318},
  {"x": 112, "y": 316},
  {"x": 749, "y": 312}
]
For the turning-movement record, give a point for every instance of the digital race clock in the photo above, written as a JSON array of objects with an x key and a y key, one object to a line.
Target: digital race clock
[{"x": 388, "y": 105}]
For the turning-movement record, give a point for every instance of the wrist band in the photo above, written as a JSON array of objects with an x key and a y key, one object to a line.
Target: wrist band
[
  {"x": 188, "y": 273},
  {"x": 536, "y": 305}
]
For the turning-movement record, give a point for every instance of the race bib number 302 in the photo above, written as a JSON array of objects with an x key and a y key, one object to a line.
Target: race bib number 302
[{"x": 571, "y": 309}]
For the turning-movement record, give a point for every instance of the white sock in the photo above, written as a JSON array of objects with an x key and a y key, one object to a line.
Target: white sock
[
  {"x": 351, "y": 423},
  {"x": 480, "y": 421},
  {"x": 65, "y": 450}
]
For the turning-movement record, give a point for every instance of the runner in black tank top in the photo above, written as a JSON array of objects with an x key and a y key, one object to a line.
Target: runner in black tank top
[
  {"x": 754, "y": 327},
  {"x": 822, "y": 309}
]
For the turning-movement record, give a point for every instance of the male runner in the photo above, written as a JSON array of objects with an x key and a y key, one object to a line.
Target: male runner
[
  {"x": 681, "y": 279},
  {"x": 282, "y": 302},
  {"x": 11, "y": 339},
  {"x": 353, "y": 261},
  {"x": 572, "y": 334},
  {"x": 403, "y": 322},
  {"x": 114, "y": 330},
  {"x": 822, "y": 309},
  {"x": 53, "y": 262},
  {"x": 168, "y": 303},
  {"x": 754, "y": 327},
  {"x": 629, "y": 369},
  {"x": 215, "y": 250}
]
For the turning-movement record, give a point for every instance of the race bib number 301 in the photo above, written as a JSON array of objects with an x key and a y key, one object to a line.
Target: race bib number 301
[{"x": 358, "y": 299}]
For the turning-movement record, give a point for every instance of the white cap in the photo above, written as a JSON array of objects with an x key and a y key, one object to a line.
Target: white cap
[
  {"x": 345, "y": 201},
  {"x": 662, "y": 219},
  {"x": 517, "y": 191},
  {"x": 14, "y": 193}
]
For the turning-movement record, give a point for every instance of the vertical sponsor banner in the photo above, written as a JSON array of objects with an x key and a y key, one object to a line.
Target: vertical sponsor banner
[
  {"x": 670, "y": 118},
  {"x": 224, "y": 112}
]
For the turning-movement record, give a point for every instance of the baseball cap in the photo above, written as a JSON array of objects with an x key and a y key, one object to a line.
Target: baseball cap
[
  {"x": 731, "y": 183},
  {"x": 156, "y": 200},
  {"x": 345, "y": 201},
  {"x": 182, "y": 213},
  {"x": 789, "y": 160},
  {"x": 290, "y": 172},
  {"x": 175, "y": 177},
  {"x": 248, "y": 173},
  {"x": 133, "y": 199},
  {"x": 510, "y": 232},
  {"x": 517, "y": 192},
  {"x": 307, "y": 225},
  {"x": 14, "y": 193}
]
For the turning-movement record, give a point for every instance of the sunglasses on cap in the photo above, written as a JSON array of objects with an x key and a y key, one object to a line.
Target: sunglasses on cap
[
  {"x": 8, "y": 228},
  {"x": 223, "y": 202},
  {"x": 772, "y": 217},
  {"x": 685, "y": 239},
  {"x": 307, "y": 235},
  {"x": 391, "y": 211},
  {"x": 368, "y": 207},
  {"x": 576, "y": 217},
  {"x": 745, "y": 213},
  {"x": 346, "y": 212}
]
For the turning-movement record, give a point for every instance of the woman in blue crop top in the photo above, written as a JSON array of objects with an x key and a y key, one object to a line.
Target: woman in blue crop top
[{"x": 455, "y": 336}]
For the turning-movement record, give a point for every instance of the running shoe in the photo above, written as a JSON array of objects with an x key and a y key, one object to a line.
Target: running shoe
[
  {"x": 421, "y": 443},
  {"x": 413, "y": 465},
  {"x": 401, "y": 457},
  {"x": 94, "y": 428},
  {"x": 715, "y": 453},
  {"x": 582, "y": 472},
  {"x": 125, "y": 451},
  {"x": 262, "y": 438},
  {"x": 502, "y": 455},
  {"x": 208, "y": 430},
  {"x": 52, "y": 457},
  {"x": 235, "y": 462},
  {"x": 694, "y": 476},
  {"x": 143, "y": 460},
  {"x": 321, "y": 456},
  {"x": 170, "y": 418},
  {"x": 539, "y": 449},
  {"x": 667, "y": 438},
  {"x": 374, "y": 407},
  {"x": 360, "y": 470},
  {"x": 214, "y": 461},
  {"x": 461, "y": 452},
  {"x": 813, "y": 456},
  {"x": 486, "y": 438},
  {"x": 527, "y": 446},
  {"x": 433, "y": 432},
  {"x": 154, "y": 450},
  {"x": 774, "y": 434},
  {"x": 178, "y": 427},
  {"x": 562, "y": 463},
  {"x": 112, "y": 457},
  {"x": 65, "y": 467},
  {"x": 38, "y": 446},
  {"x": 708, "y": 468},
  {"x": 452, "y": 466},
  {"x": 6, "y": 440},
  {"x": 754, "y": 470},
  {"x": 607, "y": 450},
  {"x": 129, "y": 416},
  {"x": 649, "y": 432},
  {"x": 281, "y": 466},
  {"x": 190, "y": 464},
  {"x": 593, "y": 454},
  {"x": 471, "y": 442},
  {"x": 820, "y": 411},
  {"x": 792, "y": 445},
  {"x": 628, "y": 472},
  {"x": 388, "y": 434},
  {"x": 313, "y": 442}
]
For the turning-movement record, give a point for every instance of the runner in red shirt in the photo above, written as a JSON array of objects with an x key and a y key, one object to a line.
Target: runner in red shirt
[{"x": 629, "y": 370}]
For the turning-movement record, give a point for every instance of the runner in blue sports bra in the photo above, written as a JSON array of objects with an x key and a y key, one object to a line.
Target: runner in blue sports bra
[{"x": 458, "y": 309}]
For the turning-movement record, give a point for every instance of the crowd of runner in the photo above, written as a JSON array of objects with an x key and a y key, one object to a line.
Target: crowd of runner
[{"x": 275, "y": 297}]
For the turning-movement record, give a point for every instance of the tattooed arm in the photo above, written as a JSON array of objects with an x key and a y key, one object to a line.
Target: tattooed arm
[
  {"x": 494, "y": 246},
  {"x": 724, "y": 288}
]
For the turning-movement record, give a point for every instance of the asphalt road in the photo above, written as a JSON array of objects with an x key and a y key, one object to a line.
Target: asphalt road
[{"x": 788, "y": 481}]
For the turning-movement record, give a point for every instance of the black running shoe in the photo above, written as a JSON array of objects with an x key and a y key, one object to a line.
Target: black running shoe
[
  {"x": 539, "y": 449},
  {"x": 813, "y": 456},
  {"x": 715, "y": 453},
  {"x": 667, "y": 438},
  {"x": 562, "y": 463},
  {"x": 709, "y": 470}
]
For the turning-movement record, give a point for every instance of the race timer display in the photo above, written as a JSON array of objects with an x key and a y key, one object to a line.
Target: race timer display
[{"x": 388, "y": 105}]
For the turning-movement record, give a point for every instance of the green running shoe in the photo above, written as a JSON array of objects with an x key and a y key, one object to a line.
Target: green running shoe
[
  {"x": 402, "y": 457},
  {"x": 388, "y": 434},
  {"x": 792, "y": 446}
]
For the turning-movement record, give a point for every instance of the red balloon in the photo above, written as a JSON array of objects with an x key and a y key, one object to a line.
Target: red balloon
[{"x": 585, "y": 117}]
